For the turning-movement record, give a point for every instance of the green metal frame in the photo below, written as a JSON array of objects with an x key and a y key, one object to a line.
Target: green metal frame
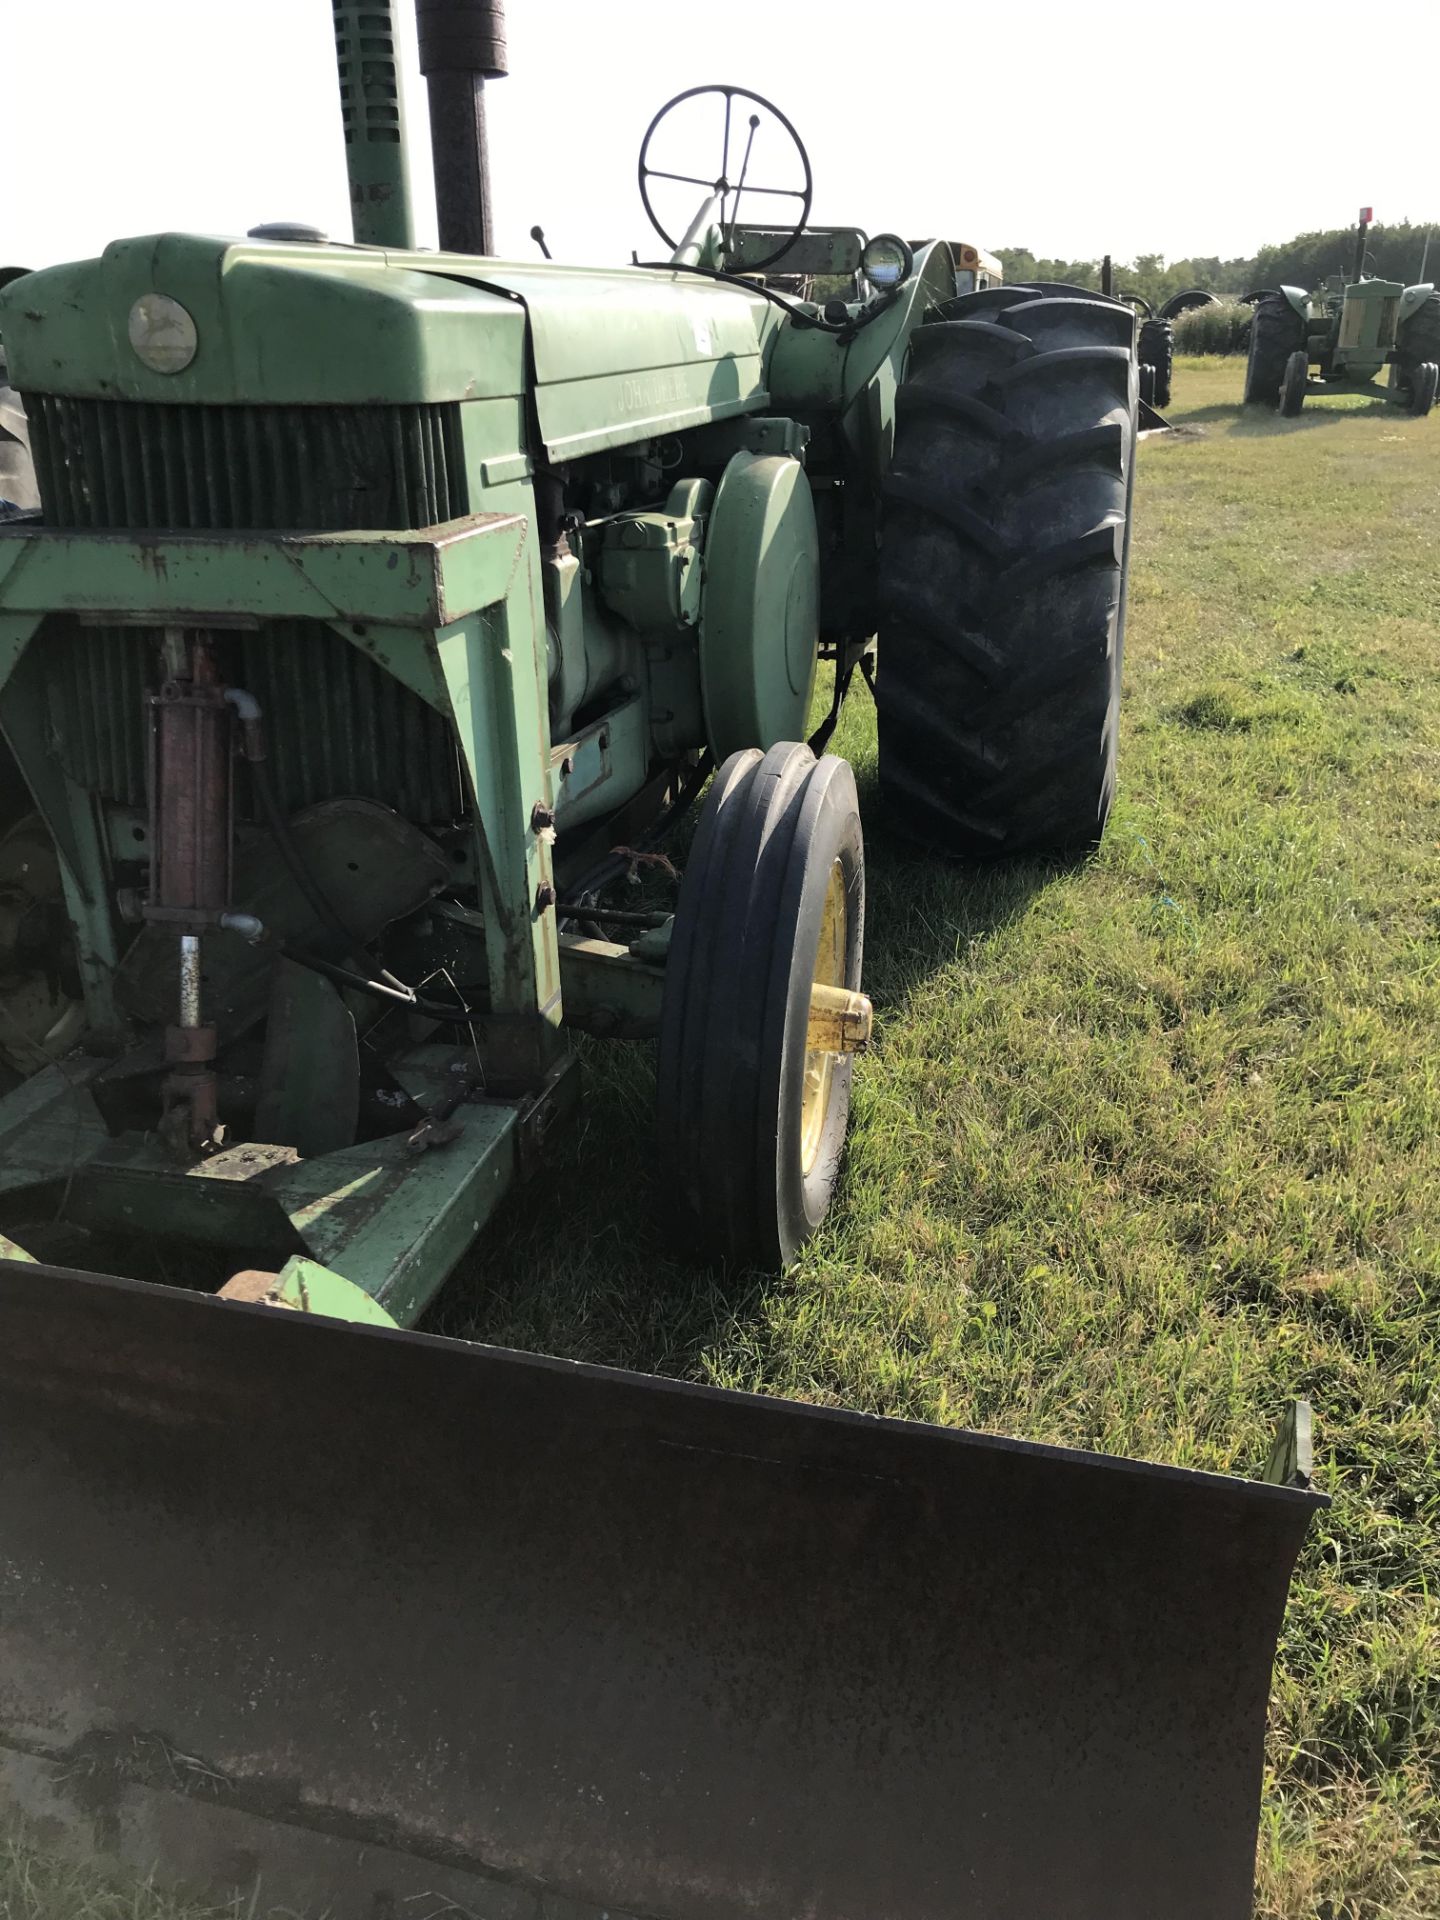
[
  {"x": 454, "y": 612},
  {"x": 387, "y": 1219}
]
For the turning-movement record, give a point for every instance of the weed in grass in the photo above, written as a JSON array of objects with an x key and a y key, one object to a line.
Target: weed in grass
[
  {"x": 36, "y": 1884},
  {"x": 1222, "y": 328}
]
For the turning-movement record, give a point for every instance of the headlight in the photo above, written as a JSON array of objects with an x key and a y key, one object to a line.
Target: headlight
[{"x": 886, "y": 261}]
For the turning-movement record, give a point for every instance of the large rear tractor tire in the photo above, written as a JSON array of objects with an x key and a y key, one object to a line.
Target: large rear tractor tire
[
  {"x": 1276, "y": 332},
  {"x": 1418, "y": 339},
  {"x": 752, "y": 1118},
  {"x": 1002, "y": 573},
  {"x": 1417, "y": 346}
]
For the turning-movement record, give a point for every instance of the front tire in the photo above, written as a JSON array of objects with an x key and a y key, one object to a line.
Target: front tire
[
  {"x": 1293, "y": 383},
  {"x": 751, "y": 1123},
  {"x": 1002, "y": 573},
  {"x": 1423, "y": 380},
  {"x": 1276, "y": 332}
]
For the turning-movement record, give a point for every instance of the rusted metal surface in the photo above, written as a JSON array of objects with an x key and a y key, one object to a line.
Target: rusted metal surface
[
  {"x": 621, "y": 1640},
  {"x": 423, "y": 579},
  {"x": 608, "y": 992},
  {"x": 461, "y": 153},
  {"x": 840, "y": 1021},
  {"x": 191, "y": 822},
  {"x": 190, "y": 785}
]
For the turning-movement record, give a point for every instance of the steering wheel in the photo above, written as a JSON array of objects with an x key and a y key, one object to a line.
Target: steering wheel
[{"x": 722, "y": 183}]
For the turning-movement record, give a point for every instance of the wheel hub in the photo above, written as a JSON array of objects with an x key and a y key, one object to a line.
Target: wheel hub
[{"x": 820, "y": 1061}]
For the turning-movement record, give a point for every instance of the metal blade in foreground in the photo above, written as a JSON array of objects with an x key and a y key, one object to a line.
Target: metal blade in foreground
[{"x": 376, "y": 1613}]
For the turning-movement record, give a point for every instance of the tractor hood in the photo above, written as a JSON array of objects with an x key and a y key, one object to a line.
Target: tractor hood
[
  {"x": 620, "y": 354},
  {"x": 617, "y": 355},
  {"x": 262, "y": 324}
]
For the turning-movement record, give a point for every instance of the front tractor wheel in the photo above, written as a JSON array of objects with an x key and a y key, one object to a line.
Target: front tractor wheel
[
  {"x": 762, "y": 1010},
  {"x": 1002, "y": 573},
  {"x": 1422, "y": 381},
  {"x": 1293, "y": 383}
]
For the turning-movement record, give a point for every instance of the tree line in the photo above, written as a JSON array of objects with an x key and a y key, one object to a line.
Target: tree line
[{"x": 1393, "y": 252}]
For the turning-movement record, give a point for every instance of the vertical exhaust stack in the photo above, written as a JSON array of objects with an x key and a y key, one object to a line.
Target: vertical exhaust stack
[
  {"x": 1366, "y": 215},
  {"x": 462, "y": 45},
  {"x": 372, "y": 107}
]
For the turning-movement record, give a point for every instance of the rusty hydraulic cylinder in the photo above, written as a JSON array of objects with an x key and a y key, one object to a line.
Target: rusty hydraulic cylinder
[
  {"x": 190, "y": 840},
  {"x": 190, "y": 788}
]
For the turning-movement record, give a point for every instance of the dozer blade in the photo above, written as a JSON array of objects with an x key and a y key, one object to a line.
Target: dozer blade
[{"x": 354, "y": 1617}]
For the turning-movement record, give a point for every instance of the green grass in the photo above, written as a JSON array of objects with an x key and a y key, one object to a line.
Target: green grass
[
  {"x": 36, "y": 1885},
  {"x": 1147, "y": 1146}
]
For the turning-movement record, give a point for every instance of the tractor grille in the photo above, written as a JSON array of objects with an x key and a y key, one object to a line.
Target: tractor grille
[
  {"x": 335, "y": 722},
  {"x": 147, "y": 465}
]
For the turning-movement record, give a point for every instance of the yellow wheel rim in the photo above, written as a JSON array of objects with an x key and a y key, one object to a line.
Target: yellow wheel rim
[{"x": 829, "y": 972}]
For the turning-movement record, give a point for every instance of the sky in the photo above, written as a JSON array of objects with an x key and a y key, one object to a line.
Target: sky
[{"x": 1070, "y": 128}]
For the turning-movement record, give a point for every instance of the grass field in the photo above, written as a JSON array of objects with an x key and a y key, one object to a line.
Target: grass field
[{"x": 1148, "y": 1146}]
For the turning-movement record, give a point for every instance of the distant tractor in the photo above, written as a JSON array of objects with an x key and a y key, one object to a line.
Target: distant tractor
[{"x": 1348, "y": 330}]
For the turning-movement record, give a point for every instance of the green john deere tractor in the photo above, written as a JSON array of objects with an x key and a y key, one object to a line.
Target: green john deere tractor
[
  {"x": 379, "y": 610},
  {"x": 1349, "y": 330}
]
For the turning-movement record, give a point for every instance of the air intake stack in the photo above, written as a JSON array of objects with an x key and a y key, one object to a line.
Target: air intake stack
[{"x": 372, "y": 107}]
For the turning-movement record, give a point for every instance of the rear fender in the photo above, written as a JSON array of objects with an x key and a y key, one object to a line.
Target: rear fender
[
  {"x": 888, "y": 338},
  {"x": 818, "y": 371}
]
